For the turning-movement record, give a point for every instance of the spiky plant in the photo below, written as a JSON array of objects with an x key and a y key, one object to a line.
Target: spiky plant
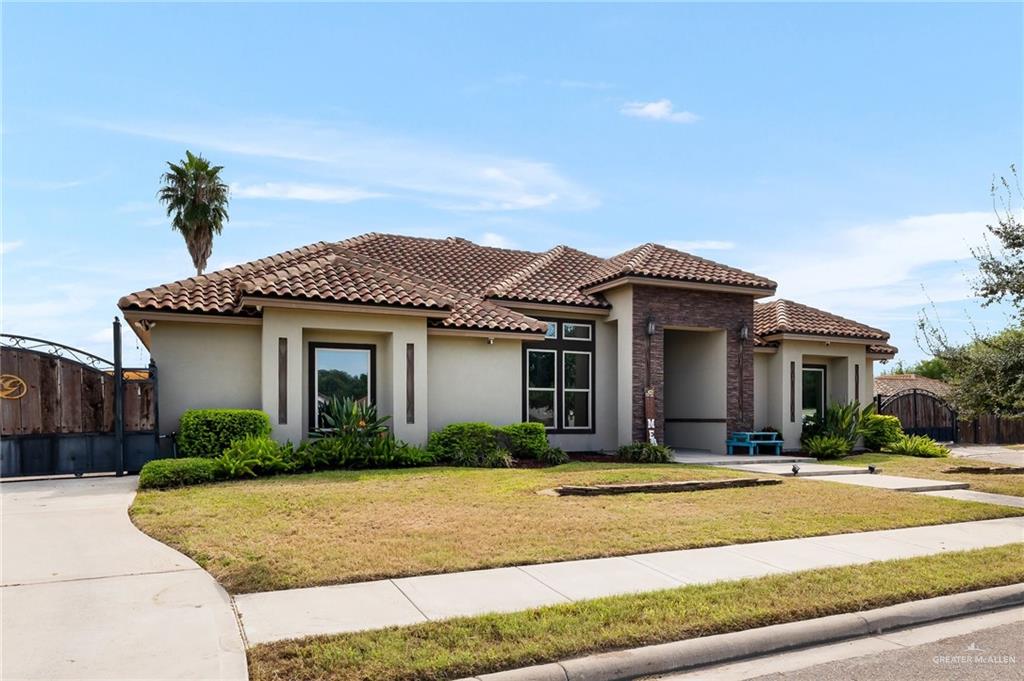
[{"x": 197, "y": 203}]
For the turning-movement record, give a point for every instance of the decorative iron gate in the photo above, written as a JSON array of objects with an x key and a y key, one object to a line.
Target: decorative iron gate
[
  {"x": 66, "y": 411},
  {"x": 922, "y": 412}
]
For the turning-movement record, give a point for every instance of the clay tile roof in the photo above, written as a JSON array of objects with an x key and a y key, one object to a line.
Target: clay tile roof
[
  {"x": 882, "y": 349},
  {"x": 891, "y": 384},
  {"x": 660, "y": 262},
  {"x": 785, "y": 316},
  {"x": 473, "y": 284},
  {"x": 350, "y": 279}
]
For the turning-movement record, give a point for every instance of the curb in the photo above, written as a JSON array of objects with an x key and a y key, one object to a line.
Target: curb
[{"x": 622, "y": 665}]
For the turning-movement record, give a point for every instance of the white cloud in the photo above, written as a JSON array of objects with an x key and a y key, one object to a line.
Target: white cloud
[
  {"x": 381, "y": 163},
  {"x": 495, "y": 240},
  {"x": 8, "y": 246},
  {"x": 659, "y": 110},
  {"x": 302, "y": 192},
  {"x": 705, "y": 245},
  {"x": 869, "y": 268}
]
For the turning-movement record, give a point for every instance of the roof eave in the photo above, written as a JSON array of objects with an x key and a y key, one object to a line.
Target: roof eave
[
  {"x": 820, "y": 338},
  {"x": 260, "y": 302},
  {"x": 755, "y": 291}
]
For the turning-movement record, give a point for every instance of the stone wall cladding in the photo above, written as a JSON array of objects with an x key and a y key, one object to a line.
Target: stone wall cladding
[{"x": 677, "y": 307}]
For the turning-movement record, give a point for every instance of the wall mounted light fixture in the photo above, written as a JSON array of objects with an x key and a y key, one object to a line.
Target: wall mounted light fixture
[{"x": 650, "y": 325}]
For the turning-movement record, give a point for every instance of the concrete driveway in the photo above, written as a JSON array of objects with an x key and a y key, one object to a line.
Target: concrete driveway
[
  {"x": 85, "y": 595},
  {"x": 989, "y": 453}
]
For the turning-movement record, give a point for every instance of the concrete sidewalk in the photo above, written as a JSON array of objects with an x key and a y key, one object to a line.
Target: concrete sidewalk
[
  {"x": 85, "y": 595},
  {"x": 293, "y": 613}
]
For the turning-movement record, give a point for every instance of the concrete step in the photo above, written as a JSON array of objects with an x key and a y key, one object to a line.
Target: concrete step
[{"x": 708, "y": 459}]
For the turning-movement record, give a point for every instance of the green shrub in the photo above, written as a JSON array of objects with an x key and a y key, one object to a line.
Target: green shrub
[
  {"x": 645, "y": 452},
  {"x": 255, "y": 455},
  {"x": 464, "y": 444},
  {"x": 554, "y": 456},
  {"x": 880, "y": 430},
  {"x": 208, "y": 432},
  {"x": 524, "y": 440},
  {"x": 350, "y": 417},
  {"x": 163, "y": 473},
  {"x": 827, "y": 446},
  {"x": 917, "y": 445}
]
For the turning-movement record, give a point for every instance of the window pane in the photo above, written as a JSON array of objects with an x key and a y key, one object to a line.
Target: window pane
[
  {"x": 542, "y": 407},
  {"x": 576, "y": 331},
  {"x": 552, "y": 331},
  {"x": 541, "y": 369},
  {"x": 577, "y": 370},
  {"x": 577, "y": 410},
  {"x": 342, "y": 373}
]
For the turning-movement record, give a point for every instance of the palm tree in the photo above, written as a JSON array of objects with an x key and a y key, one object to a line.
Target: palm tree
[{"x": 197, "y": 203}]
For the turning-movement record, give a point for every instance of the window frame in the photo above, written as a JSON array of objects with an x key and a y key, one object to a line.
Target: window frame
[
  {"x": 371, "y": 379},
  {"x": 573, "y": 339},
  {"x": 553, "y": 389},
  {"x": 560, "y": 345},
  {"x": 588, "y": 390}
]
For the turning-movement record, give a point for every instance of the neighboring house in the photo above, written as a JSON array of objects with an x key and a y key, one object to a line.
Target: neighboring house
[
  {"x": 436, "y": 331},
  {"x": 888, "y": 385}
]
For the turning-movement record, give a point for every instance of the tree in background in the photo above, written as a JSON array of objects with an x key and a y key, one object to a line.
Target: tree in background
[
  {"x": 197, "y": 203},
  {"x": 1001, "y": 270},
  {"x": 933, "y": 367},
  {"x": 987, "y": 374}
]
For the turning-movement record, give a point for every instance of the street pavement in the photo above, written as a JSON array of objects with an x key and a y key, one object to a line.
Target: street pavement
[
  {"x": 989, "y": 454},
  {"x": 986, "y": 647}
]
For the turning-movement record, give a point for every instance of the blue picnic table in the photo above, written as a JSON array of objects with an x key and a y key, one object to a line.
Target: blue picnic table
[{"x": 752, "y": 441}]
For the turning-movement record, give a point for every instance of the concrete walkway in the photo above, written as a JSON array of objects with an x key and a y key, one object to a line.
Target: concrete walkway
[
  {"x": 989, "y": 453},
  {"x": 983, "y": 497},
  {"x": 279, "y": 615},
  {"x": 85, "y": 595}
]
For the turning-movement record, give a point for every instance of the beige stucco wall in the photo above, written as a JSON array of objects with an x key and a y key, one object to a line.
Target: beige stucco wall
[
  {"x": 840, "y": 358},
  {"x": 205, "y": 366},
  {"x": 389, "y": 333},
  {"x": 761, "y": 372},
  {"x": 695, "y": 388},
  {"x": 473, "y": 381},
  {"x": 621, "y": 318}
]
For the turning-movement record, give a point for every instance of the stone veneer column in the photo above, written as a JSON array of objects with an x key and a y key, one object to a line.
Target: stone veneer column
[{"x": 676, "y": 308}]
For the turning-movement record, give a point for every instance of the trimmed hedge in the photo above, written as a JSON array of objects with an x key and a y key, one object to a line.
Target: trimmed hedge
[
  {"x": 524, "y": 440},
  {"x": 163, "y": 473},
  {"x": 880, "y": 430},
  {"x": 466, "y": 444},
  {"x": 208, "y": 432}
]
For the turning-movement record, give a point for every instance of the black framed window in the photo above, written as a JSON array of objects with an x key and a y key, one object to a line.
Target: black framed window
[
  {"x": 814, "y": 389},
  {"x": 558, "y": 377},
  {"x": 341, "y": 370}
]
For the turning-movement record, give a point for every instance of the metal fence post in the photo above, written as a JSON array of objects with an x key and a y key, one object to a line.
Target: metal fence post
[{"x": 118, "y": 399}]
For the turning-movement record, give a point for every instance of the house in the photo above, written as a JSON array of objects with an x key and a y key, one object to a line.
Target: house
[
  {"x": 889, "y": 385},
  {"x": 652, "y": 342}
]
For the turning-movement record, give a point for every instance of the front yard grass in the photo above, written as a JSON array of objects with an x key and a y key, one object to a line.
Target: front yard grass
[
  {"x": 349, "y": 526},
  {"x": 916, "y": 467},
  {"x": 476, "y": 645}
]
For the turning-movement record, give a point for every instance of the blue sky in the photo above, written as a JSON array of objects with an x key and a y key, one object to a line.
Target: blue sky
[{"x": 844, "y": 150}]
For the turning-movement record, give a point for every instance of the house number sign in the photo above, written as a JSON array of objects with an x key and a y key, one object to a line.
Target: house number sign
[{"x": 12, "y": 387}]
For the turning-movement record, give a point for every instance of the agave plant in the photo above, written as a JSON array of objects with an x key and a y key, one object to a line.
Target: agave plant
[{"x": 351, "y": 417}]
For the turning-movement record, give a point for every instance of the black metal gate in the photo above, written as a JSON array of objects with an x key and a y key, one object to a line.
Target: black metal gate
[
  {"x": 922, "y": 412},
  {"x": 66, "y": 411}
]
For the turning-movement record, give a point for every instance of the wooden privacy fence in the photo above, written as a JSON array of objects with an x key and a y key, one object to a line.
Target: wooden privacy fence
[
  {"x": 63, "y": 410},
  {"x": 990, "y": 429}
]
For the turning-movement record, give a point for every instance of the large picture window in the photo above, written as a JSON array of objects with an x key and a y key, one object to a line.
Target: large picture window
[
  {"x": 341, "y": 371},
  {"x": 558, "y": 378}
]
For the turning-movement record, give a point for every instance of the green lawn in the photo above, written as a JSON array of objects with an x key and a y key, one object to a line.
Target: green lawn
[
  {"x": 916, "y": 467},
  {"x": 348, "y": 526},
  {"x": 476, "y": 645}
]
